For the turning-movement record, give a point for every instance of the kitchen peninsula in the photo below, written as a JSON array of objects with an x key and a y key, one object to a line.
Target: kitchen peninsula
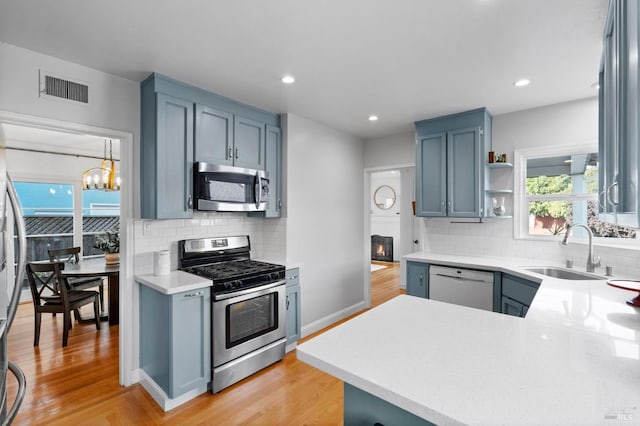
[{"x": 575, "y": 358}]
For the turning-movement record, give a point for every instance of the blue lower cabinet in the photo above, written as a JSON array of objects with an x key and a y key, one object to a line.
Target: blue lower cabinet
[
  {"x": 175, "y": 339},
  {"x": 418, "y": 279},
  {"x": 293, "y": 324},
  {"x": 512, "y": 307},
  {"x": 517, "y": 295},
  {"x": 363, "y": 408}
]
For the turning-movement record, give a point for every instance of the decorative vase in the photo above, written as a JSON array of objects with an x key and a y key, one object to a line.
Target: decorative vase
[
  {"x": 498, "y": 206},
  {"x": 112, "y": 258}
]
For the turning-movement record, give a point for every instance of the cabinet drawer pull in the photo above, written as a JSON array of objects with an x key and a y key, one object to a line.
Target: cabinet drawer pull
[
  {"x": 196, "y": 294},
  {"x": 293, "y": 277}
]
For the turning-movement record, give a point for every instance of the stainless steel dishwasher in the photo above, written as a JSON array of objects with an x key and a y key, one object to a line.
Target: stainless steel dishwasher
[{"x": 465, "y": 287}]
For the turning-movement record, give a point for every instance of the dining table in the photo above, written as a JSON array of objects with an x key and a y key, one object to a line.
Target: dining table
[{"x": 97, "y": 267}]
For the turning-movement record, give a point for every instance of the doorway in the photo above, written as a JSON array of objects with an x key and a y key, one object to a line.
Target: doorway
[
  {"x": 389, "y": 224},
  {"x": 10, "y": 122}
]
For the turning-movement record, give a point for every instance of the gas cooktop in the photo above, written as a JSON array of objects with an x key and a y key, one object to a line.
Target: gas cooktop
[{"x": 226, "y": 262}]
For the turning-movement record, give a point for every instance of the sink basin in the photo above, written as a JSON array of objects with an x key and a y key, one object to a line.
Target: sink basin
[{"x": 563, "y": 274}]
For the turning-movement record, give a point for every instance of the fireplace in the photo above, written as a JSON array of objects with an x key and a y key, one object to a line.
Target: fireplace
[{"x": 382, "y": 248}]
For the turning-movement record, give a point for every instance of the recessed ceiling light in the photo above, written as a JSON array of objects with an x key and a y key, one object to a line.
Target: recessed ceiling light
[
  {"x": 595, "y": 85},
  {"x": 373, "y": 118},
  {"x": 521, "y": 83},
  {"x": 288, "y": 79}
]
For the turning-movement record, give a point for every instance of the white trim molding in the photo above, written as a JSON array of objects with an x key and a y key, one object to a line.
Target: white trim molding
[{"x": 520, "y": 157}]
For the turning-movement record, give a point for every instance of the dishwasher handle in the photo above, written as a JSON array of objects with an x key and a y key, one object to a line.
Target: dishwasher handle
[{"x": 475, "y": 280}]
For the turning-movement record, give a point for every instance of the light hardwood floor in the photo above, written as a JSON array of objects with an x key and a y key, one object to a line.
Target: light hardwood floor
[{"x": 79, "y": 384}]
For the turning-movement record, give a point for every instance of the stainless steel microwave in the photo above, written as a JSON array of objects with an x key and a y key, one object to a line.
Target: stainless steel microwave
[{"x": 230, "y": 189}]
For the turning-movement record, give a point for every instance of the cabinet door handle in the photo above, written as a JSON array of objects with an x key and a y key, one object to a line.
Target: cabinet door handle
[
  {"x": 287, "y": 303},
  {"x": 230, "y": 153},
  {"x": 237, "y": 154},
  {"x": 196, "y": 294},
  {"x": 421, "y": 278},
  {"x": 449, "y": 206},
  {"x": 190, "y": 202}
]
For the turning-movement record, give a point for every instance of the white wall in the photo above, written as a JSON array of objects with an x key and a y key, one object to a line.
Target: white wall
[
  {"x": 325, "y": 233},
  {"x": 394, "y": 150},
  {"x": 114, "y": 102}
]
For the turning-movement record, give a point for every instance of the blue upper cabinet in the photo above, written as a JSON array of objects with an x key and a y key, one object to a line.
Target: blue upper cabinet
[
  {"x": 431, "y": 187},
  {"x": 464, "y": 165},
  {"x": 450, "y": 157},
  {"x": 222, "y": 138},
  {"x": 182, "y": 124},
  {"x": 214, "y": 136},
  {"x": 248, "y": 143},
  {"x": 166, "y": 156},
  {"x": 619, "y": 108},
  {"x": 273, "y": 166}
]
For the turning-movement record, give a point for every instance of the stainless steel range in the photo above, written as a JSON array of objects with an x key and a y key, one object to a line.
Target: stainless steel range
[{"x": 248, "y": 306}]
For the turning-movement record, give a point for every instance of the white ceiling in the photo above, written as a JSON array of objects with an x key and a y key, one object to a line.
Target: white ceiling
[{"x": 403, "y": 60}]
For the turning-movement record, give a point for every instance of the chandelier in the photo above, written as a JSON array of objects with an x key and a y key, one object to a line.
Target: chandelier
[{"x": 104, "y": 177}]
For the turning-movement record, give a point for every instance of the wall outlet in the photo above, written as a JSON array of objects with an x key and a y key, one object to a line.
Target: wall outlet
[{"x": 146, "y": 228}]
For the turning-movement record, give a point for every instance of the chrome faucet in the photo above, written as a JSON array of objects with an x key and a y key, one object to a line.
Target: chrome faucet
[{"x": 592, "y": 261}]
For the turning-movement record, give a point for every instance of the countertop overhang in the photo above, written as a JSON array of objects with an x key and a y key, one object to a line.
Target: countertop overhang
[
  {"x": 574, "y": 359},
  {"x": 174, "y": 282}
]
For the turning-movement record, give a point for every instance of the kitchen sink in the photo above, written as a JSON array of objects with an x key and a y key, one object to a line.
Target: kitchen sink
[{"x": 563, "y": 274}]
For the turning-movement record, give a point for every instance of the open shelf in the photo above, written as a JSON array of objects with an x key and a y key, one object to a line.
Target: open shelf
[
  {"x": 499, "y": 191},
  {"x": 500, "y": 165},
  {"x": 497, "y": 217}
]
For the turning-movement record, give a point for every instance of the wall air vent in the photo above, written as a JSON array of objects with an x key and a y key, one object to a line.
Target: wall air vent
[{"x": 54, "y": 86}]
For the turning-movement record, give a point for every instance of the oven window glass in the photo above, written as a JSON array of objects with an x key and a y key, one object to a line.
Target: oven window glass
[{"x": 251, "y": 318}]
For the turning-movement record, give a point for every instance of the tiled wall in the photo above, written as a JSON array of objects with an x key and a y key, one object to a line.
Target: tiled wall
[
  {"x": 266, "y": 235},
  {"x": 495, "y": 238}
]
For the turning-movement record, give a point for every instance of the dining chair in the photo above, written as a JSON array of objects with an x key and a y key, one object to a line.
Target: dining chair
[
  {"x": 51, "y": 295},
  {"x": 72, "y": 255}
]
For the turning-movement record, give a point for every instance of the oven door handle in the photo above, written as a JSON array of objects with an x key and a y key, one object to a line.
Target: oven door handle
[{"x": 231, "y": 295}]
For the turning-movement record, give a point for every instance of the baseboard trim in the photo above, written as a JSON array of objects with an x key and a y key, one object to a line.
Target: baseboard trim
[
  {"x": 290, "y": 347},
  {"x": 330, "y": 319},
  {"x": 159, "y": 395}
]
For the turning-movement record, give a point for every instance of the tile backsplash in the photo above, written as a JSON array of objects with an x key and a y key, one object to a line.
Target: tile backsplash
[
  {"x": 267, "y": 236},
  {"x": 495, "y": 238}
]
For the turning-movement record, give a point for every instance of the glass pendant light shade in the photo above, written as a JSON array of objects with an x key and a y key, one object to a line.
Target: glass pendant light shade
[{"x": 102, "y": 178}]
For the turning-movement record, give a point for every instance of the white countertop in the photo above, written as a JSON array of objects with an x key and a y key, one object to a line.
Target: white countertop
[
  {"x": 174, "y": 282},
  {"x": 574, "y": 359},
  {"x": 289, "y": 264}
]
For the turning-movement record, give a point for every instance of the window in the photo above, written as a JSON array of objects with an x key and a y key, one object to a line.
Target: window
[
  {"x": 51, "y": 222},
  {"x": 100, "y": 213},
  {"x": 556, "y": 186},
  {"x": 48, "y": 217}
]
